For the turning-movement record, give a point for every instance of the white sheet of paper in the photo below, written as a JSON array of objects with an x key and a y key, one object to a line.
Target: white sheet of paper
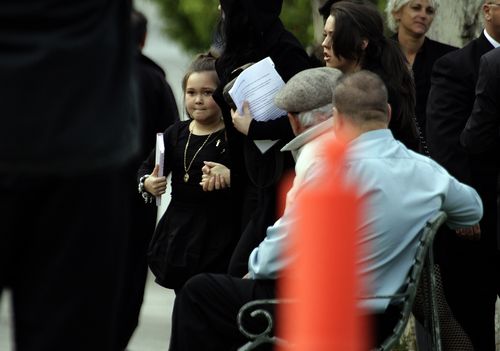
[
  {"x": 258, "y": 85},
  {"x": 159, "y": 159}
]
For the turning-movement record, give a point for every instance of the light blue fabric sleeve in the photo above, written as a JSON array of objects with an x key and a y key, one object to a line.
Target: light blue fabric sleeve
[
  {"x": 266, "y": 261},
  {"x": 462, "y": 204}
]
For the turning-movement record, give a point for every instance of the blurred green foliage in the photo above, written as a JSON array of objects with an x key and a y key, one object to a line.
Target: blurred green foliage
[
  {"x": 296, "y": 15},
  {"x": 192, "y": 22}
]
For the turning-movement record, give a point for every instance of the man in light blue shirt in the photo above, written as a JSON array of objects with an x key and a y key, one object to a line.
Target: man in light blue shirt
[{"x": 401, "y": 189}]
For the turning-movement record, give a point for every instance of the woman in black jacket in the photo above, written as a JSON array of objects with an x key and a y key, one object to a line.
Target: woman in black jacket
[
  {"x": 410, "y": 20},
  {"x": 248, "y": 32}
]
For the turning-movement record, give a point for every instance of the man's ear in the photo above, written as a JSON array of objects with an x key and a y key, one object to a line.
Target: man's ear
[
  {"x": 389, "y": 113},
  {"x": 294, "y": 123},
  {"x": 486, "y": 12},
  {"x": 397, "y": 14},
  {"x": 338, "y": 121}
]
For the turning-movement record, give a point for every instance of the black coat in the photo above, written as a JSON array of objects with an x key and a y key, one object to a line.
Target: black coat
[
  {"x": 482, "y": 132},
  {"x": 430, "y": 51},
  {"x": 289, "y": 58},
  {"x": 468, "y": 268},
  {"x": 254, "y": 176},
  {"x": 449, "y": 105},
  {"x": 67, "y": 101},
  {"x": 157, "y": 105}
]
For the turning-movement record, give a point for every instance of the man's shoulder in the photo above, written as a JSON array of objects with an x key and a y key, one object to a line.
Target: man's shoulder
[
  {"x": 466, "y": 56},
  {"x": 493, "y": 57},
  {"x": 384, "y": 148},
  {"x": 452, "y": 59},
  {"x": 148, "y": 65}
]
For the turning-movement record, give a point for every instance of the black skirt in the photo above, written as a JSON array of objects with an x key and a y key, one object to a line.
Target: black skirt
[{"x": 190, "y": 239}]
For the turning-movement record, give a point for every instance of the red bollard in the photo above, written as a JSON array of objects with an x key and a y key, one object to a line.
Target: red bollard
[{"x": 322, "y": 279}]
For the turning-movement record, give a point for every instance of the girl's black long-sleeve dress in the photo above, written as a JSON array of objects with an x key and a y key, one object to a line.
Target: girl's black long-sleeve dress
[{"x": 193, "y": 235}]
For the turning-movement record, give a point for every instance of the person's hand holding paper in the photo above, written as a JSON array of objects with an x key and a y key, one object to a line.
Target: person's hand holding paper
[
  {"x": 256, "y": 85},
  {"x": 242, "y": 121}
]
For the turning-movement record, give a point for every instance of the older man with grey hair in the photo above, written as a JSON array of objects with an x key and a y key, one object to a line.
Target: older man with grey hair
[{"x": 204, "y": 316}]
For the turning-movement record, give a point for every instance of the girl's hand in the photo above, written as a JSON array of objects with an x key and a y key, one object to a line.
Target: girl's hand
[
  {"x": 215, "y": 182},
  {"x": 155, "y": 185},
  {"x": 215, "y": 176},
  {"x": 242, "y": 123}
]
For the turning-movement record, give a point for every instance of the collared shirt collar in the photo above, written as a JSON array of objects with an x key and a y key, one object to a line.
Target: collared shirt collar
[
  {"x": 310, "y": 134},
  {"x": 490, "y": 39},
  {"x": 373, "y": 134}
]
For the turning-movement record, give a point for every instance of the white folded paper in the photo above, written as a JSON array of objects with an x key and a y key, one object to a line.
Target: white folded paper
[
  {"x": 159, "y": 159},
  {"x": 258, "y": 84}
]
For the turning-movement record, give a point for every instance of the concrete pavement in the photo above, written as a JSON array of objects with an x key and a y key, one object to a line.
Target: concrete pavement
[{"x": 153, "y": 333}]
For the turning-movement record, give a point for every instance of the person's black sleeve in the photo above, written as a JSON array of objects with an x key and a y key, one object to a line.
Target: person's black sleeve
[
  {"x": 170, "y": 140},
  {"x": 279, "y": 128},
  {"x": 481, "y": 133},
  {"x": 147, "y": 166},
  {"x": 447, "y": 111}
]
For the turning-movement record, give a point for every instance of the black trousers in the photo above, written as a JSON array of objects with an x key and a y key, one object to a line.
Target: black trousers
[
  {"x": 205, "y": 311},
  {"x": 469, "y": 269},
  {"x": 62, "y": 248},
  {"x": 469, "y": 272}
]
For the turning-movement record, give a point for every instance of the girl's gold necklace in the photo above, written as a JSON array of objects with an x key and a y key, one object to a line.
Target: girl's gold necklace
[{"x": 188, "y": 167}]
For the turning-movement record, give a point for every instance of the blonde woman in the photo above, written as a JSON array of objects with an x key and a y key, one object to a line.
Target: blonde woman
[{"x": 410, "y": 20}]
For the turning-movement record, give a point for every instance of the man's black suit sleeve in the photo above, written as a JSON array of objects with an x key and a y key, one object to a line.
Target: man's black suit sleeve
[
  {"x": 482, "y": 130},
  {"x": 448, "y": 107}
]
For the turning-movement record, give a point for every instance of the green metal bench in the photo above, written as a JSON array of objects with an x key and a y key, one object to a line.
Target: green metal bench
[{"x": 421, "y": 270}]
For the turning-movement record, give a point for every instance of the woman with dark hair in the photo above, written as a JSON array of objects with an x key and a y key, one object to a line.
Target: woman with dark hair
[
  {"x": 248, "y": 32},
  {"x": 354, "y": 40}
]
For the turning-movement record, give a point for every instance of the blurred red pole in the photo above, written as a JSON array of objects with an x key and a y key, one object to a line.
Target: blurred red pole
[{"x": 322, "y": 279}]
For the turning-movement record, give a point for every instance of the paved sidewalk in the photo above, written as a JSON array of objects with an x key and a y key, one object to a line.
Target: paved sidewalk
[
  {"x": 5, "y": 332},
  {"x": 153, "y": 333}
]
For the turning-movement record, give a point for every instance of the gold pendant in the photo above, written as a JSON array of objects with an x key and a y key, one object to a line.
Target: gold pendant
[{"x": 186, "y": 177}]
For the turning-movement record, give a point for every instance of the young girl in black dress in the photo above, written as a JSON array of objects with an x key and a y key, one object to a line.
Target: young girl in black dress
[{"x": 191, "y": 237}]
